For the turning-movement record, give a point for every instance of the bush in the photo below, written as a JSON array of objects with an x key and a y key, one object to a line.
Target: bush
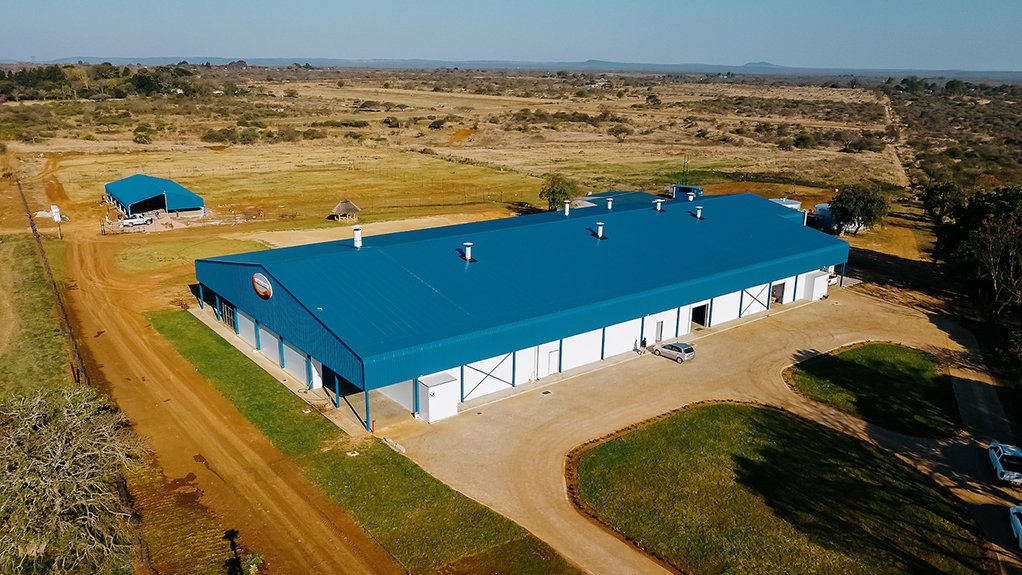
[
  {"x": 391, "y": 122},
  {"x": 221, "y": 136},
  {"x": 437, "y": 124},
  {"x": 313, "y": 134},
  {"x": 142, "y": 138},
  {"x": 619, "y": 131},
  {"x": 805, "y": 140}
]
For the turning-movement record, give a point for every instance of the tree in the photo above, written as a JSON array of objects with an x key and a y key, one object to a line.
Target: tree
[
  {"x": 859, "y": 207},
  {"x": 59, "y": 508},
  {"x": 943, "y": 199},
  {"x": 557, "y": 189},
  {"x": 619, "y": 131}
]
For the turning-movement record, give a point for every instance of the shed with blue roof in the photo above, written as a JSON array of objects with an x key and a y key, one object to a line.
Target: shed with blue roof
[
  {"x": 434, "y": 318},
  {"x": 141, "y": 193}
]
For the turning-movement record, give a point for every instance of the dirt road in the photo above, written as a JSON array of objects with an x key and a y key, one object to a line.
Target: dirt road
[{"x": 247, "y": 483}]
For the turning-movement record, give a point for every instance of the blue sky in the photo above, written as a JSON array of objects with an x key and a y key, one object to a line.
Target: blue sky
[{"x": 934, "y": 34}]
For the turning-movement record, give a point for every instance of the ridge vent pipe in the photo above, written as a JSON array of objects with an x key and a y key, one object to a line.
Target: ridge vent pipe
[
  {"x": 599, "y": 230},
  {"x": 659, "y": 205},
  {"x": 691, "y": 196},
  {"x": 610, "y": 203},
  {"x": 567, "y": 207},
  {"x": 699, "y": 212},
  {"x": 468, "y": 251},
  {"x": 357, "y": 236}
]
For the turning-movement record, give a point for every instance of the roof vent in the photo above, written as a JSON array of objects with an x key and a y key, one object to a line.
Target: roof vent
[
  {"x": 468, "y": 252},
  {"x": 610, "y": 203},
  {"x": 659, "y": 203},
  {"x": 567, "y": 207},
  {"x": 599, "y": 230},
  {"x": 691, "y": 196},
  {"x": 357, "y": 236},
  {"x": 699, "y": 212}
]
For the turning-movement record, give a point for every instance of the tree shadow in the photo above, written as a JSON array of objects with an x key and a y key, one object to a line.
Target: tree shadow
[
  {"x": 233, "y": 565},
  {"x": 524, "y": 208},
  {"x": 851, "y": 498},
  {"x": 901, "y": 396}
]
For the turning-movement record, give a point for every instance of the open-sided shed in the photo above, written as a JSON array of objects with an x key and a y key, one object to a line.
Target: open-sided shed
[
  {"x": 345, "y": 210},
  {"x": 142, "y": 193}
]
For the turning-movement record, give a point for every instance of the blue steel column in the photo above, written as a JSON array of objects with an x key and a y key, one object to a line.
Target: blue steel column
[
  {"x": 842, "y": 284},
  {"x": 642, "y": 330},
  {"x": 216, "y": 300},
  {"x": 337, "y": 390},
  {"x": 415, "y": 382},
  {"x": 514, "y": 362},
  {"x": 794, "y": 290},
  {"x": 741, "y": 303},
  {"x": 280, "y": 348},
  {"x": 202, "y": 304},
  {"x": 709, "y": 314},
  {"x": 369, "y": 426},
  {"x": 677, "y": 324},
  {"x": 770, "y": 295},
  {"x": 603, "y": 344},
  {"x": 308, "y": 371},
  {"x": 560, "y": 355},
  {"x": 237, "y": 330},
  {"x": 462, "y": 383},
  {"x": 259, "y": 341}
]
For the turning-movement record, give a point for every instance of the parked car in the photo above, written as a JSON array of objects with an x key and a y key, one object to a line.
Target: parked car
[
  {"x": 1007, "y": 462},
  {"x": 678, "y": 351},
  {"x": 136, "y": 220},
  {"x": 1015, "y": 516}
]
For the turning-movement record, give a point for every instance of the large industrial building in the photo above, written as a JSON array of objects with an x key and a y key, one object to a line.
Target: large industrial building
[
  {"x": 437, "y": 317},
  {"x": 141, "y": 193}
]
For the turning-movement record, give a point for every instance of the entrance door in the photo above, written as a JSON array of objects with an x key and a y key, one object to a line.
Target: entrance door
[
  {"x": 699, "y": 314},
  {"x": 777, "y": 293},
  {"x": 659, "y": 331}
]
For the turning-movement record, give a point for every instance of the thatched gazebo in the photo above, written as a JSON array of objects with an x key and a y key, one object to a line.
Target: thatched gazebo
[{"x": 345, "y": 210}]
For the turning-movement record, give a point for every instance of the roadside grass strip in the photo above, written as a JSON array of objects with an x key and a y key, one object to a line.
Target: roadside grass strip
[
  {"x": 896, "y": 387},
  {"x": 731, "y": 488},
  {"x": 427, "y": 526}
]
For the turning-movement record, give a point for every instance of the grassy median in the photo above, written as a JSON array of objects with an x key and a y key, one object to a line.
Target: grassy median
[
  {"x": 896, "y": 387},
  {"x": 740, "y": 489},
  {"x": 427, "y": 526}
]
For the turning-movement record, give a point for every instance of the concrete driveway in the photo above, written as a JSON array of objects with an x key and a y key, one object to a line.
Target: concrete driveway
[{"x": 510, "y": 454}]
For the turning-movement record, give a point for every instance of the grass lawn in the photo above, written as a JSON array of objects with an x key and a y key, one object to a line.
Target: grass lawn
[
  {"x": 427, "y": 526},
  {"x": 891, "y": 385},
  {"x": 740, "y": 489},
  {"x": 33, "y": 351}
]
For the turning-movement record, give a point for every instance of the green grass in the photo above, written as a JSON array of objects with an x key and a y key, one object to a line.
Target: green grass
[
  {"x": 893, "y": 386},
  {"x": 741, "y": 489},
  {"x": 33, "y": 351},
  {"x": 427, "y": 526},
  {"x": 153, "y": 254}
]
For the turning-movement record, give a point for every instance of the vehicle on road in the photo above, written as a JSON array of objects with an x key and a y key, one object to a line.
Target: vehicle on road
[
  {"x": 136, "y": 220},
  {"x": 1007, "y": 462},
  {"x": 1015, "y": 516},
  {"x": 678, "y": 351}
]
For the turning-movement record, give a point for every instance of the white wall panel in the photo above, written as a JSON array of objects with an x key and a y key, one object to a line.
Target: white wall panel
[
  {"x": 724, "y": 308},
  {"x": 800, "y": 286},
  {"x": 270, "y": 344},
  {"x": 622, "y": 337},
  {"x": 754, "y": 299},
  {"x": 685, "y": 320},
  {"x": 669, "y": 317},
  {"x": 294, "y": 361},
  {"x": 317, "y": 374},
  {"x": 525, "y": 365},
  {"x": 402, "y": 393},
  {"x": 487, "y": 376},
  {"x": 547, "y": 358},
  {"x": 581, "y": 349},
  {"x": 246, "y": 328}
]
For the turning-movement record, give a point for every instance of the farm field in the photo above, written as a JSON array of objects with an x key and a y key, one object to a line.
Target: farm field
[
  {"x": 742, "y": 489},
  {"x": 484, "y": 160}
]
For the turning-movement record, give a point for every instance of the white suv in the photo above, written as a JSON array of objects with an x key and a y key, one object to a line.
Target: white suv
[{"x": 136, "y": 220}]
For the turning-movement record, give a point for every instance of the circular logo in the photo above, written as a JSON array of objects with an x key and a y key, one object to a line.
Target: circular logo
[{"x": 262, "y": 286}]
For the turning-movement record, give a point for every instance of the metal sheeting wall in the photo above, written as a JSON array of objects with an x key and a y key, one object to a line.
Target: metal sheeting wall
[
  {"x": 246, "y": 327},
  {"x": 581, "y": 349},
  {"x": 755, "y": 299},
  {"x": 294, "y": 361},
  {"x": 725, "y": 308},
  {"x": 270, "y": 344}
]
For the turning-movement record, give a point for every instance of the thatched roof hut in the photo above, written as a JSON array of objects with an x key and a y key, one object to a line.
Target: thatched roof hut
[{"x": 345, "y": 210}]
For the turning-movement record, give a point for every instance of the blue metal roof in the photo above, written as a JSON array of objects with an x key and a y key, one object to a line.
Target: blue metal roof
[
  {"x": 407, "y": 304},
  {"x": 140, "y": 187}
]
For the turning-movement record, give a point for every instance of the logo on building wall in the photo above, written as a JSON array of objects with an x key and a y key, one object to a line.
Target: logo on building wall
[{"x": 262, "y": 286}]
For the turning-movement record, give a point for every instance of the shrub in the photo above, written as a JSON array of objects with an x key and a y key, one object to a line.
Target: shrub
[
  {"x": 805, "y": 140},
  {"x": 437, "y": 124},
  {"x": 391, "y": 122}
]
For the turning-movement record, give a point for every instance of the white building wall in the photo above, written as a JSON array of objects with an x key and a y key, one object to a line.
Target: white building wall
[
  {"x": 578, "y": 350},
  {"x": 816, "y": 285},
  {"x": 487, "y": 376},
  {"x": 317, "y": 374},
  {"x": 684, "y": 320},
  {"x": 622, "y": 337},
  {"x": 270, "y": 344},
  {"x": 755, "y": 299},
  {"x": 525, "y": 365},
  {"x": 294, "y": 361},
  {"x": 789, "y": 289},
  {"x": 402, "y": 393},
  {"x": 724, "y": 308},
  {"x": 800, "y": 286},
  {"x": 547, "y": 358},
  {"x": 669, "y": 317},
  {"x": 246, "y": 328}
]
